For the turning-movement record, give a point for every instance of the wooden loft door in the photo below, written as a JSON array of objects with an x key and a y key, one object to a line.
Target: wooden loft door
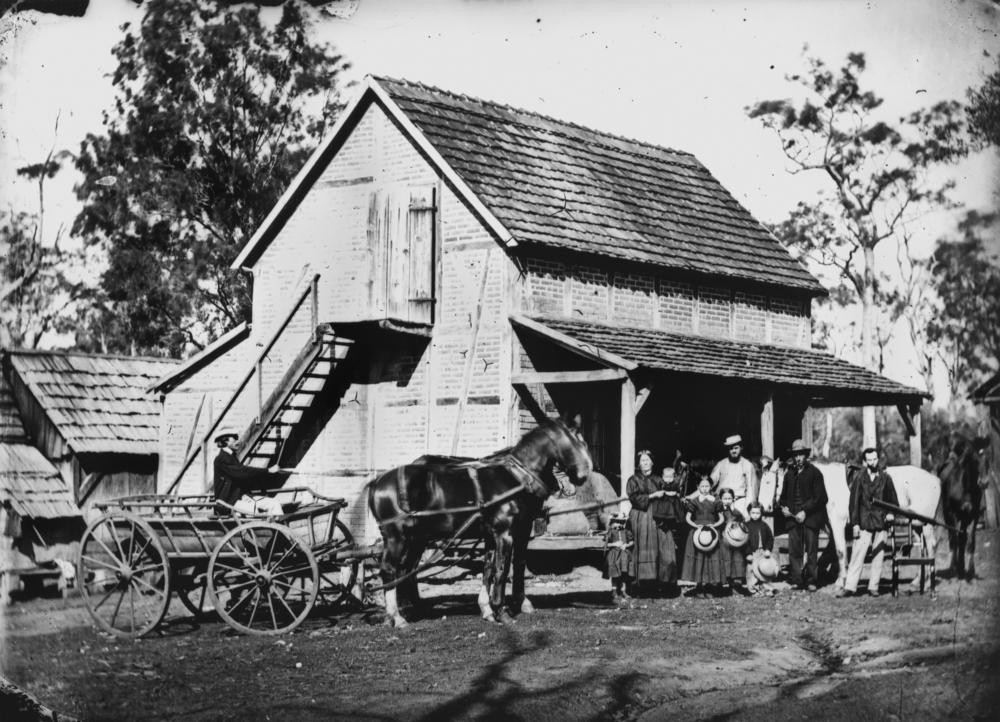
[{"x": 402, "y": 244}]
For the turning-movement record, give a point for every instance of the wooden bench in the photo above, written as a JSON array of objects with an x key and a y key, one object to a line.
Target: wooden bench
[{"x": 903, "y": 552}]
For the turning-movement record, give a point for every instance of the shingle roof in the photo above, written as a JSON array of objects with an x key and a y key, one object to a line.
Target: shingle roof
[
  {"x": 31, "y": 486},
  {"x": 98, "y": 403},
  {"x": 559, "y": 185},
  {"x": 11, "y": 428},
  {"x": 781, "y": 365},
  {"x": 989, "y": 390}
]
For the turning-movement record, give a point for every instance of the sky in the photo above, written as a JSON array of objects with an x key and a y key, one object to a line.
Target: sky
[{"x": 677, "y": 74}]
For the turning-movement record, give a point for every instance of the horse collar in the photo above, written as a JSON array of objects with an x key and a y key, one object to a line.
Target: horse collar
[{"x": 532, "y": 482}]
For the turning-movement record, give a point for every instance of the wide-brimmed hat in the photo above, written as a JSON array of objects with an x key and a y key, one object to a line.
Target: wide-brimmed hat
[
  {"x": 226, "y": 431},
  {"x": 705, "y": 538},
  {"x": 765, "y": 568},
  {"x": 733, "y": 440},
  {"x": 799, "y": 445},
  {"x": 735, "y": 534}
]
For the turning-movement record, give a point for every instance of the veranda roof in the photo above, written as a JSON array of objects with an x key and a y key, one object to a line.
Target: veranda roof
[
  {"x": 32, "y": 486},
  {"x": 828, "y": 380}
]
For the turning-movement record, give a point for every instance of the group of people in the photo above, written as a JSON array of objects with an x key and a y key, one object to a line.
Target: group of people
[{"x": 727, "y": 543}]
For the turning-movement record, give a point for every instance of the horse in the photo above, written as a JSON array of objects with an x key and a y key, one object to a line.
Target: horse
[
  {"x": 960, "y": 475},
  {"x": 497, "y": 497},
  {"x": 916, "y": 489}
]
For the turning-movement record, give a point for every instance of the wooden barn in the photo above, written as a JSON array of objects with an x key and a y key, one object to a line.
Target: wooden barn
[
  {"x": 90, "y": 417},
  {"x": 444, "y": 271}
]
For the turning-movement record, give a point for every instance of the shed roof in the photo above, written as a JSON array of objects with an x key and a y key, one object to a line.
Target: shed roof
[
  {"x": 98, "y": 403},
  {"x": 988, "y": 391},
  {"x": 556, "y": 185},
  {"x": 11, "y": 428},
  {"x": 32, "y": 486},
  {"x": 827, "y": 379}
]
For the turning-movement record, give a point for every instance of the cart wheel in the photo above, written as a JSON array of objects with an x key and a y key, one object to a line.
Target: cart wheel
[
  {"x": 124, "y": 575},
  {"x": 192, "y": 590},
  {"x": 338, "y": 576},
  {"x": 262, "y": 579}
]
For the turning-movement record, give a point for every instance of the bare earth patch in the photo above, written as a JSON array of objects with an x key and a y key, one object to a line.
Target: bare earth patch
[{"x": 793, "y": 656}]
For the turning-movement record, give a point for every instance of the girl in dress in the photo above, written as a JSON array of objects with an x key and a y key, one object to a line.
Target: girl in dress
[
  {"x": 702, "y": 568},
  {"x": 733, "y": 560},
  {"x": 617, "y": 556},
  {"x": 760, "y": 543}
]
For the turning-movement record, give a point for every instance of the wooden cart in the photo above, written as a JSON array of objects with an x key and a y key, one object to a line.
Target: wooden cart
[{"x": 260, "y": 575}]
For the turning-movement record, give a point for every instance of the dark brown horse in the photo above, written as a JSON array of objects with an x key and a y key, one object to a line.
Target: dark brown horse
[
  {"x": 411, "y": 504},
  {"x": 961, "y": 499}
]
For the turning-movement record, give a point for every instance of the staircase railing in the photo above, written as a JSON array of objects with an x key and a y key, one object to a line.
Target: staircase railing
[{"x": 310, "y": 291}]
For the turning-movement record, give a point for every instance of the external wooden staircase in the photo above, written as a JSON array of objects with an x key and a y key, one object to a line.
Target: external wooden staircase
[{"x": 306, "y": 382}]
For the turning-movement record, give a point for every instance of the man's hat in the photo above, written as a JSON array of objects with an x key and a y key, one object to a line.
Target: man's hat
[
  {"x": 705, "y": 538},
  {"x": 733, "y": 440},
  {"x": 226, "y": 431},
  {"x": 799, "y": 445}
]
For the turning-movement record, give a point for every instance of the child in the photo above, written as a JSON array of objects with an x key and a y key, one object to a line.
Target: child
[
  {"x": 732, "y": 558},
  {"x": 760, "y": 543},
  {"x": 617, "y": 543},
  {"x": 702, "y": 568}
]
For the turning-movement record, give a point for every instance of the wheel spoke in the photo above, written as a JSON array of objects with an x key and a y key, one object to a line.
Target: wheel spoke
[
  {"x": 94, "y": 560},
  {"x": 283, "y": 556},
  {"x": 138, "y": 555},
  {"x": 114, "y": 614},
  {"x": 293, "y": 572},
  {"x": 256, "y": 548},
  {"x": 110, "y": 553},
  {"x": 106, "y": 597},
  {"x": 146, "y": 584},
  {"x": 145, "y": 570},
  {"x": 114, "y": 535},
  {"x": 270, "y": 608},
  {"x": 131, "y": 603},
  {"x": 256, "y": 604},
  {"x": 242, "y": 601},
  {"x": 285, "y": 605}
]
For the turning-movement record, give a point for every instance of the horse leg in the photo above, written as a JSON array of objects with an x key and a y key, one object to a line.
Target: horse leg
[
  {"x": 501, "y": 570},
  {"x": 409, "y": 588},
  {"x": 522, "y": 534},
  {"x": 970, "y": 567},
  {"x": 391, "y": 570},
  {"x": 484, "y": 592}
]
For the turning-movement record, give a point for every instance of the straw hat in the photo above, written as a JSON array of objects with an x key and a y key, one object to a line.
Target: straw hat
[
  {"x": 705, "y": 538},
  {"x": 733, "y": 440},
  {"x": 226, "y": 431},
  {"x": 765, "y": 567},
  {"x": 799, "y": 445},
  {"x": 735, "y": 534}
]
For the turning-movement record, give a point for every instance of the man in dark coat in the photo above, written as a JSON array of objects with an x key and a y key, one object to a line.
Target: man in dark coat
[
  {"x": 803, "y": 501},
  {"x": 868, "y": 521},
  {"x": 236, "y": 483}
]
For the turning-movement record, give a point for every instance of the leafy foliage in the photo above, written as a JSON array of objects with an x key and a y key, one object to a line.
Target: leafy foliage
[
  {"x": 967, "y": 325},
  {"x": 36, "y": 294},
  {"x": 214, "y": 114},
  {"x": 876, "y": 170},
  {"x": 984, "y": 110}
]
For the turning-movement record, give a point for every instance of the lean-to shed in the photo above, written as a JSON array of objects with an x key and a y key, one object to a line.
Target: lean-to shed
[{"x": 90, "y": 416}]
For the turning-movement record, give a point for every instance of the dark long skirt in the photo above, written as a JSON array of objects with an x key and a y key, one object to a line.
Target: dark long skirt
[
  {"x": 733, "y": 561},
  {"x": 654, "y": 557},
  {"x": 702, "y": 567}
]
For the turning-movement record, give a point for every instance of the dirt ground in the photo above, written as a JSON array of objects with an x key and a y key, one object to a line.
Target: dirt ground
[{"x": 793, "y": 656}]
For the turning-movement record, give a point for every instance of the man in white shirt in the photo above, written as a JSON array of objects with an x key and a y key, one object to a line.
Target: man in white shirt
[{"x": 736, "y": 473}]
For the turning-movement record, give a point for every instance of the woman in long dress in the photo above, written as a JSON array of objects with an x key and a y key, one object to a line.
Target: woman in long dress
[{"x": 654, "y": 556}]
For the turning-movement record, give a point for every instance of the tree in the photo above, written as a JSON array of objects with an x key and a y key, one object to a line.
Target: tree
[
  {"x": 984, "y": 110},
  {"x": 876, "y": 173},
  {"x": 967, "y": 325},
  {"x": 39, "y": 283},
  {"x": 214, "y": 114}
]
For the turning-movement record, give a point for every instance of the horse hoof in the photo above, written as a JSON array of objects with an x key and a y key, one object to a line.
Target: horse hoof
[
  {"x": 400, "y": 623},
  {"x": 527, "y": 607},
  {"x": 488, "y": 617},
  {"x": 503, "y": 617}
]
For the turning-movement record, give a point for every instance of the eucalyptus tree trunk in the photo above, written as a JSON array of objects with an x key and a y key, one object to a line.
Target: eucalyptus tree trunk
[{"x": 869, "y": 434}]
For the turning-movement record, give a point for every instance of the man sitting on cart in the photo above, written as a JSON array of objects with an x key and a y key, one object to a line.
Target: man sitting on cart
[{"x": 239, "y": 485}]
